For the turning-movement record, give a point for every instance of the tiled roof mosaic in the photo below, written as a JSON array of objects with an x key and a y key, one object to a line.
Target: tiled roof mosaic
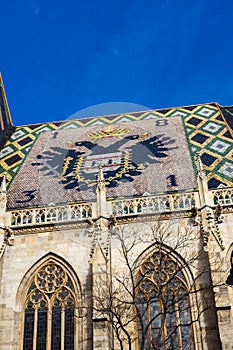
[
  {"x": 137, "y": 157},
  {"x": 170, "y": 136}
]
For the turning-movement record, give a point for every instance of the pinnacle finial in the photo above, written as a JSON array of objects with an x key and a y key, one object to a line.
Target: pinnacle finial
[
  {"x": 205, "y": 195},
  {"x": 3, "y": 184},
  {"x": 101, "y": 194},
  {"x": 100, "y": 174},
  {"x": 199, "y": 162},
  {"x": 200, "y": 167},
  {"x": 100, "y": 177}
]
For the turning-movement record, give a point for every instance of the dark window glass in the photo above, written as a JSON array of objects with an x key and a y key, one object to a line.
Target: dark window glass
[
  {"x": 41, "y": 327},
  {"x": 185, "y": 322},
  {"x": 56, "y": 326},
  {"x": 69, "y": 327},
  {"x": 28, "y": 329}
]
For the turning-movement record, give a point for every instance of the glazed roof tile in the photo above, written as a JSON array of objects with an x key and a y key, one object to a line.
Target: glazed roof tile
[{"x": 148, "y": 151}]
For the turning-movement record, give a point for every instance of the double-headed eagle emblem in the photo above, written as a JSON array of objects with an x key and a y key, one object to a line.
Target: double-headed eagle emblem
[{"x": 122, "y": 156}]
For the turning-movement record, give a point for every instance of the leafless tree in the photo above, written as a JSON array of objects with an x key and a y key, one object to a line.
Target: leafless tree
[{"x": 157, "y": 288}]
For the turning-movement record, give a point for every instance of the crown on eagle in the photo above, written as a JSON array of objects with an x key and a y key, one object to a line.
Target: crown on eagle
[{"x": 108, "y": 132}]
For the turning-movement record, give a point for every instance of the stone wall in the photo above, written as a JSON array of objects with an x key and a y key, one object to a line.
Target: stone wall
[{"x": 77, "y": 245}]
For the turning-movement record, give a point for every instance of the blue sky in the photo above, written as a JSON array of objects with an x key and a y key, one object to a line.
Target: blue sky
[{"x": 59, "y": 57}]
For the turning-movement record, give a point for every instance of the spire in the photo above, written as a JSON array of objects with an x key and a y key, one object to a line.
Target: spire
[{"x": 6, "y": 126}]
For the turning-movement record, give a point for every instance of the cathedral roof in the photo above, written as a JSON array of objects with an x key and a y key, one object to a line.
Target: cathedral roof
[{"x": 140, "y": 153}]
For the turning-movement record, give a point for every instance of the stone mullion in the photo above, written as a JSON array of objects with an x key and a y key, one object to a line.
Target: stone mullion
[
  {"x": 35, "y": 327},
  {"x": 62, "y": 328},
  {"x": 178, "y": 326},
  {"x": 149, "y": 320},
  {"x": 163, "y": 325},
  {"x": 49, "y": 327}
]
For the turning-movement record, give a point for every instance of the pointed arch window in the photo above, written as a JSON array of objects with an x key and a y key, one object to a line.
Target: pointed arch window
[
  {"x": 49, "y": 310},
  {"x": 163, "y": 306}
]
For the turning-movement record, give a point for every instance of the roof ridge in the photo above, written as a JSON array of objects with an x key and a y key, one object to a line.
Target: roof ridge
[{"x": 119, "y": 114}]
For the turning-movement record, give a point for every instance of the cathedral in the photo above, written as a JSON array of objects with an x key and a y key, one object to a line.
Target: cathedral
[{"x": 116, "y": 231}]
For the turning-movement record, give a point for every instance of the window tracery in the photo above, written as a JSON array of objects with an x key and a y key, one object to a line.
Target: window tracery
[
  {"x": 49, "y": 321},
  {"x": 163, "y": 306}
]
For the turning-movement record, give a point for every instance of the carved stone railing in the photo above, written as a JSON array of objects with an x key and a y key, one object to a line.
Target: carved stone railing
[
  {"x": 117, "y": 207},
  {"x": 154, "y": 204},
  {"x": 61, "y": 213},
  {"x": 223, "y": 196}
]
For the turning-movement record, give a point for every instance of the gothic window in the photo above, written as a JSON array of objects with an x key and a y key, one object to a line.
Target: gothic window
[
  {"x": 49, "y": 321},
  {"x": 229, "y": 280},
  {"x": 163, "y": 306}
]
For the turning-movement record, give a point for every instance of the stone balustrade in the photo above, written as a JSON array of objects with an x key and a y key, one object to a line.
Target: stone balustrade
[
  {"x": 223, "y": 196},
  {"x": 154, "y": 204},
  {"x": 117, "y": 207},
  {"x": 55, "y": 214}
]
